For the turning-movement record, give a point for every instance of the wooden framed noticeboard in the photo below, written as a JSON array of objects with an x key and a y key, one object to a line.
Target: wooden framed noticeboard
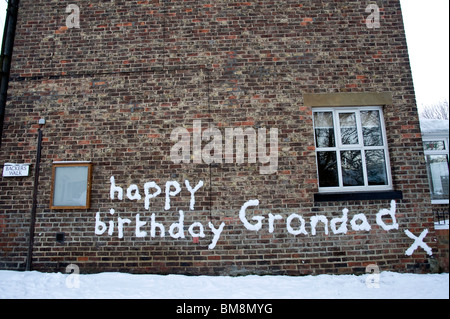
[{"x": 71, "y": 185}]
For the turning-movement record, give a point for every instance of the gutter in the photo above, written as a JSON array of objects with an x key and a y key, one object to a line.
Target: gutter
[{"x": 6, "y": 56}]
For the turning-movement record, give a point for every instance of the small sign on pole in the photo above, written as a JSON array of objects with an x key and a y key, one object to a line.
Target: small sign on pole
[{"x": 16, "y": 170}]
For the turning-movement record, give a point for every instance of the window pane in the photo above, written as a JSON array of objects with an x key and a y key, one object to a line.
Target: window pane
[
  {"x": 324, "y": 129},
  {"x": 437, "y": 166},
  {"x": 349, "y": 132},
  {"x": 376, "y": 167},
  {"x": 434, "y": 146},
  {"x": 371, "y": 128},
  {"x": 352, "y": 172},
  {"x": 70, "y": 186},
  {"x": 328, "y": 173}
]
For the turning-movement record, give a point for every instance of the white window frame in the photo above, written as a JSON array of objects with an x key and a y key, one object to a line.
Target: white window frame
[
  {"x": 360, "y": 147},
  {"x": 432, "y": 138}
]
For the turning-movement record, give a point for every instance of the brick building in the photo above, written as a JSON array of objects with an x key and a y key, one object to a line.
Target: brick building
[
  {"x": 435, "y": 136},
  {"x": 213, "y": 137}
]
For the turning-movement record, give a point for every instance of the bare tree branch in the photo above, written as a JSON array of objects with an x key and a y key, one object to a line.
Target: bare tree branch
[{"x": 436, "y": 111}]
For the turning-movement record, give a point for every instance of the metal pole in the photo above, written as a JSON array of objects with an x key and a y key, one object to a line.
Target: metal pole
[{"x": 33, "y": 208}]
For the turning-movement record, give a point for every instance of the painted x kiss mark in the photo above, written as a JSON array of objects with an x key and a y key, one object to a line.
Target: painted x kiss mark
[{"x": 418, "y": 242}]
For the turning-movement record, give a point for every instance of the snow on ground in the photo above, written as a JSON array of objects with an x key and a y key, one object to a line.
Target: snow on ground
[{"x": 36, "y": 285}]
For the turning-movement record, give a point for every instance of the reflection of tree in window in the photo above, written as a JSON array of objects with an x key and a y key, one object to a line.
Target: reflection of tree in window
[
  {"x": 327, "y": 167},
  {"x": 371, "y": 128},
  {"x": 352, "y": 172},
  {"x": 324, "y": 129},
  {"x": 376, "y": 167},
  {"x": 349, "y": 131}
]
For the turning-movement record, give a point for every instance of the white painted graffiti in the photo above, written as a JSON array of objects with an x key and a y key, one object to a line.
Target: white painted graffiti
[{"x": 295, "y": 223}]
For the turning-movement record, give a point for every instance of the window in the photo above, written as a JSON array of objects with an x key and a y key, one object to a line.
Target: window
[
  {"x": 71, "y": 185},
  {"x": 351, "y": 149},
  {"x": 436, "y": 156}
]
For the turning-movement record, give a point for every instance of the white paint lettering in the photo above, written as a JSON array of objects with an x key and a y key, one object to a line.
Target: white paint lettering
[
  {"x": 100, "y": 227},
  {"x": 133, "y": 188},
  {"x": 315, "y": 220},
  {"x": 176, "y": 230},
  {"x": 343, "y": 220},
  {"x": 154, "y": 226},
  {"x": 114, "y": 189},
  {"x": 301, "y": 229},
  {"x": 171, "y": 193},
  {"x": 149, "y": 196},
  {"x": 139, "y": 224},
  {"x": 272, "y": 218},
  {"x": 216, "y": 233},
  {"x": 244, "y": 220},
  {"x": 192, "y": 191},
  {"x": 391, "y": 213}
]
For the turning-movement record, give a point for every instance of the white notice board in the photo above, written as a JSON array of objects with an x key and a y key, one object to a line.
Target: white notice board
[{"x": 15, "y": 170}]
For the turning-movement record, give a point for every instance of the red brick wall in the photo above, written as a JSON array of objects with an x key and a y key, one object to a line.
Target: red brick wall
[
  {"x": 113, "y": 90},
  {"x": 442, "y": 246}
]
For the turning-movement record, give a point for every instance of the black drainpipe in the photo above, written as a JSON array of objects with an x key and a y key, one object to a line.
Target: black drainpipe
[
  {"x": 6, "y": 56},
  {"x": 34, "y": 204}
]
